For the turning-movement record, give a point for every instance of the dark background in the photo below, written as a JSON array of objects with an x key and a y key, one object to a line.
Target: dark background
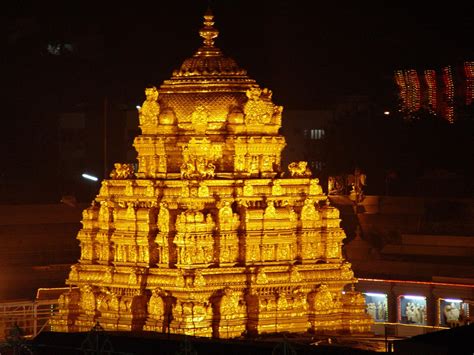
[{"x": 71, "y": 55}]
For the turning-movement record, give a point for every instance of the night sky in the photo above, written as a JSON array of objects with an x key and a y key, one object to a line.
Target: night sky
[
  {"x": 309, "y": 53},
  {"x": 319, "y": 49}
]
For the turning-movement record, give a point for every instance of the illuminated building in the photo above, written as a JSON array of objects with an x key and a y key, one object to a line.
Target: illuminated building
[
  {"x": 409, "y": 85},
  {"x": 469, "y": 75},
  {"x": 207, "y": 238},
  {"x": 441, "y": 93},
  {"x": 413, "y": 262}
]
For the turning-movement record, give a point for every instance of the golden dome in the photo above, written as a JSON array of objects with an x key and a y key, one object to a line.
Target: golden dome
[{"x": 208, "y": 68}]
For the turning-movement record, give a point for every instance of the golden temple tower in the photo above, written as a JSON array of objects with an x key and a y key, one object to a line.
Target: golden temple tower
[{"x": 209, "y": 237}]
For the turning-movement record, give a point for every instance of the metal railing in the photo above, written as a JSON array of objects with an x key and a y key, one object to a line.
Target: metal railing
[{"x": 31, "y": 317}]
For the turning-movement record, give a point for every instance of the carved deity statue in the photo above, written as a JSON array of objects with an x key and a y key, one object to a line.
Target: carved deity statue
[
  {"x": 209, "y": 222},
  {"x": 148, "y": 113},
  {"x": 308, "y": 212},
  {"x": 248, "y": 188},
  {"x": 225, "y": 215},
  {"x": 277, "y": 190},
  {"x": 229, "y": 305},
  {"x": 259, "y": 107},
  {"x": 203, "y": 190},
  {"x": 122, "y": 171},
  {"x": 164, "y": 218},
  {"x": 323, "y": 300},
  {"x": 267, "y": 163},
  {"x": 88, "y": 299},
  {"x": 270, "y": 211},
  {"x": 239, "y": 162},
  {"x": 315, "y": 188},
  {"x": 199, "y": 279},
  {"x": 155, "y": 304}
]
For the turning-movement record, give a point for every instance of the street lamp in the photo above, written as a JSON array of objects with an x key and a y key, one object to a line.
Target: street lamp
[{"x": 90, "y": 177}]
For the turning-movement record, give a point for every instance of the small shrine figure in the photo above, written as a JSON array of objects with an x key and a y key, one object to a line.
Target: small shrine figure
[
  {"x": 315, "y": 188},
  {"x": 248, "y": 188},
  {"x": 156, "y": 305},
  {"x": 270, "y": 211},
  {"x": 308, "y": 212},
  {"x": 148, "y": 113},
  {"x": 277, "y": 190},
  {"x": 209, "y": 222},
  {"x": 225, "y": 215},
  {"x": 203, "y": 190},
  {"x": 164, "y": 218}
]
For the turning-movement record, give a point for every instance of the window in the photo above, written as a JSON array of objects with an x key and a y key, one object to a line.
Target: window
[
  {"x": 316, "y": 165},
  {"x": 376, "y": 306},
  {"x": 412, "y": 309},
  {"x": 452, "y": 312},
  {"x": 317, "y": 134}
]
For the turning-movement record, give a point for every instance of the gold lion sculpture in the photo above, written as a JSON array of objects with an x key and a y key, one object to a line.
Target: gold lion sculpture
[{"x": 298, "y": 169}]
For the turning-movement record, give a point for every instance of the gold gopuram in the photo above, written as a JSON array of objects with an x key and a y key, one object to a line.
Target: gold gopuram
[{"x": 209, "y": 237}]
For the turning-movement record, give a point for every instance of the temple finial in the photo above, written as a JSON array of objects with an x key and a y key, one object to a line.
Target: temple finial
[{"x": 208, "y": 32}]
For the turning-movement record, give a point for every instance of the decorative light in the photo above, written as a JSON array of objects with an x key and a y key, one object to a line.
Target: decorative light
[
  {"x": 431, "y": 283},
  {"x": 409, "y": 89},
  {"x": 448, "y": 94},
  {"x": 469, "y": 73},
  {"x": 386, "y": 113},
  {"x": 430, "y": 79}
]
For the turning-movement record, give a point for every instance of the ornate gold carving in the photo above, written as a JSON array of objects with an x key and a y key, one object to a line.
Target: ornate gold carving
[
  {"x": 88, "y": 300},
  {"x": 203, "y": 190},
  {"x": 315, "y": 188},
  {"x": 322, "y": 300},
  {"x": 156, "y": 307},
  {"x": 261, "y": 277},
  {"x": 239, "y": 162},
  {"x": 346, "y": 271},
  {"x": 248, "y": 188},
  {"x": 122, "y": 171},
  {"x": 270, "y": 211},
  {"x": 199, "y": 280},
  {"x": 198, "y": 157},
  {"x": 308, "y": 212},
  {"x": 259, "y": 108},
  {"x": 167, "y": 116},
  {"x": 208, "y": 32},
  {"x": 295, "y": 276},
  {"x": 164, "y": 218},
  {"x": 224, "y": 249},
  {"x": 199, "y": 119},
  {"x": 299, "y": 168},
  {"x": 277, "y": 190},
  {"x": 150, "y": 109}
]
